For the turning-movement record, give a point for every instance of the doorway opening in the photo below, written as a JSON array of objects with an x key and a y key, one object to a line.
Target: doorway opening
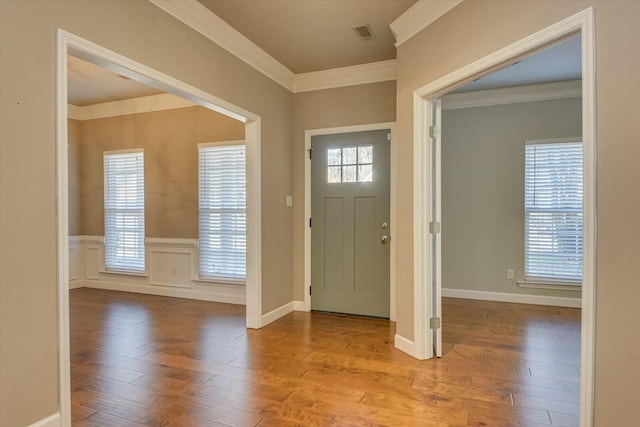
[
  {"x": 69, "y": 45},
  {"x": 427, "y": 191}
]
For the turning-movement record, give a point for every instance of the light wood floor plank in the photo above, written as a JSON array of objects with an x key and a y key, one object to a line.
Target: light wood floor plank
[{"x": 158, "y": 361}]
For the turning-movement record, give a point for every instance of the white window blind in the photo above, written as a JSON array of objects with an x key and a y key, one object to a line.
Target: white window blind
[
  {"x": 124, "y": 211},
  {"x": 223, "y": 212},
  {"x": 553, "y": 211}
]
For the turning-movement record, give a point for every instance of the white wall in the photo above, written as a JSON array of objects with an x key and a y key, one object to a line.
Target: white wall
[{"x": 483, "y": 192}]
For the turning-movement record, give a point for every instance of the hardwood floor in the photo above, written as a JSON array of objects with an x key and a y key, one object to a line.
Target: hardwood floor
[{"x": 156, "y": 361}]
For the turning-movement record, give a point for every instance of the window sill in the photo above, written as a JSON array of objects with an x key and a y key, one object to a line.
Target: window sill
[
  {"x": 124, "y": 273},
  {"x": 220, "y": 281},
  {"x": 558, "y": 285}
]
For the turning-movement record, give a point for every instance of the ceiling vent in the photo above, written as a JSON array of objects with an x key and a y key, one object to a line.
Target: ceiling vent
[{"x": 364, "y": 32}]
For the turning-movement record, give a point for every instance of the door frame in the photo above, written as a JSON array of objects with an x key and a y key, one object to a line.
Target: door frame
[
  {"x": 69, "y": 43},
  {"x": 392, "y": 206},
  {"x": 583, "y": 23}
]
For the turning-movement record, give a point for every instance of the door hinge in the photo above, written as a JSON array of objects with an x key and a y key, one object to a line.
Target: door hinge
[
  {"x": 434, "y": 131},
  {"x": 434, "y": 227},
  {"x": 434, "y": 323},
  {"x": 310, "y": 153},
  {"x": 309, "y": 290},
  {"x": 309, "y": 222},
  {"x": 389, "y": 136}
]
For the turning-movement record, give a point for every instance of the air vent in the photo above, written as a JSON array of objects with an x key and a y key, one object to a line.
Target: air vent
[{"x": 364, "y": 32}]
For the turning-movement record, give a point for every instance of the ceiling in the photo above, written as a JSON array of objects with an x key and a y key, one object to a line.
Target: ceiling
[
  {"x": 92, "y": 84},
  {"x": 314, "y": 35},
  {"x": 561, "y": 62}
]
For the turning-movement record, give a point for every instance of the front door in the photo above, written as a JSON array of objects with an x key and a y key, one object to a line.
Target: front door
[{"x": 350, "y": 223}]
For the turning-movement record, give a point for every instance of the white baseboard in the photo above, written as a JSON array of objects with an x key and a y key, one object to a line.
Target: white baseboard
[
  {"x": 516, "y": 298},
  {"x": 214, "y": 296},
  {"x": 403, "y": 344},
  {"x": 277, "y": 313},
  {"x": 50, "y": 421},
  {"x": 298, "y": 306}
]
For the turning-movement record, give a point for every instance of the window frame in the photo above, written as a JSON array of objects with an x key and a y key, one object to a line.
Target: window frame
[
  {"x": 542, "y": 282},
  {"x": 119, "y": 269},
  {"x": 200, "y": 276}
]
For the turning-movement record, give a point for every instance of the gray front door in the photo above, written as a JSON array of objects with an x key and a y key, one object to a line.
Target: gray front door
[{"x": 350, "y": 223}]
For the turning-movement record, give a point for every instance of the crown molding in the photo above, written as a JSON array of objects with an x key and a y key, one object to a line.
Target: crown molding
[
  {"x": 418, "y": 17},
  {"x": 202, "y": 20},
  {"x": 345, "y": 76},
  {"x": 144, "y": 104},
  {"x": 513, "y": 95}
]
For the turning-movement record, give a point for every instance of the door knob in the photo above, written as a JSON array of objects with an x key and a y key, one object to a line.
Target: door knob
[{"x": 384, "y": 239}]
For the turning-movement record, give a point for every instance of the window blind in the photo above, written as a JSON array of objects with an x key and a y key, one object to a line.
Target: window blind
[
  {"x": 553, "y": 211},
  {"x": 222, "y": 200},
  {"x": 124, "y": 211}
]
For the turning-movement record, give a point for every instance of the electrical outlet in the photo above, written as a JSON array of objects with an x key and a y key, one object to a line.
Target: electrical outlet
[{"x": 511, "y": 273}]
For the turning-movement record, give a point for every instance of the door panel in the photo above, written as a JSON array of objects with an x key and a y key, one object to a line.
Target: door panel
[
  {"x": 334, "y": 244},
  {"x": 349, "y": 205}
]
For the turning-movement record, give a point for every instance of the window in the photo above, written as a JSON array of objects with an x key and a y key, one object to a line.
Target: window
[
  {"x": 350, "y": 164},
  {"x": 124, "y": 210},
  {"x": 553, "y": 211},
  {"x": 223, "y": 211}
]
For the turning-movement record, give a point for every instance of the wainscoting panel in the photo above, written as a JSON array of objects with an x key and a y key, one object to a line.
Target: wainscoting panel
[{"x": 172, "y": 270}]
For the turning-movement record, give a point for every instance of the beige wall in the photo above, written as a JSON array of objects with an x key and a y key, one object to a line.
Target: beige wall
[
  {"x": 144, "y": 33},
  {"x": 477, "y": 28},
  {"x": 75, "y": 179},
  {"x": 355, "y": 105},
  {"x": 483, "y": 190},
  {"x": 170, "y": 141}
]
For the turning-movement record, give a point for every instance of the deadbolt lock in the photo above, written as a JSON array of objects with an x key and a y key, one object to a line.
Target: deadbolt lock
[{"x": 384, "y": 225}]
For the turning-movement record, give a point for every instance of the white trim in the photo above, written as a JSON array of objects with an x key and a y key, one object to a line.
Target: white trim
[
  {"x": 345, "y": 76},
  {"x": 125, "y": 151},
  {"x": 87, "y": 239},
  {"x": 513, "y": 95},
  {"x": 582, "y": 22},
  {"x": 532, "y": 284},
  {"x": 418, "y": 17},
  {"x": 403, "y": 344},
  {"x": 553, "y": 140},
  {"x": 392, "y": 206},
  {"x": 173, "y": 242},
  {"x": 143, "y": 104},
  {"x": 299, "y": 306},
  {"x": 198, "y": 17},
  {"x": 221, "y": 143},
  {"x": 74, "y": 112},
  {"x": 422, "y": 215},
  {"x": 222, "y": 293},
  {"x": 68, "y": 43},
  {"x": 62, "y": 231},
  {"x": 51, "y": 421},
  {"x": 510, "y": 297},
  {"x": 277, "y": 313}
]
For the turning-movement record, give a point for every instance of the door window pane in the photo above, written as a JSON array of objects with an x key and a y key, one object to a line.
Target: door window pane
[
  {"x": 333, "y": 156},
  {"x": 350, "y": 164},
  {"x": 349, "y": 174},
  {"x": 334, "y": 174}
]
